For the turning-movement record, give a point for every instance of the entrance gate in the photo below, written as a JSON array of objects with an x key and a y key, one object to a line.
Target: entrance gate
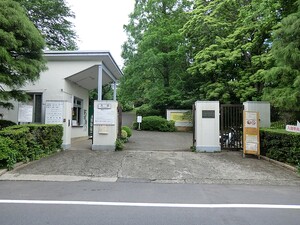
[{"x": 231, "y": 122}]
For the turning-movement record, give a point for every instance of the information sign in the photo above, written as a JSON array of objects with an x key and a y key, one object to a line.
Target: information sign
[
  {"x": 251, "y": 143},
  {"x": 25, "y": 113},
  {"x": 54, "y": 112},
  {"x": 104, "y": 116}
]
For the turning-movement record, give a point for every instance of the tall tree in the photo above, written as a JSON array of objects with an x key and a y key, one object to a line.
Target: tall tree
[
  {"x": 21, "y": 52},
  {"x": 230, "y": 46},
  {"x": 155, "y": 60},
  {"x": 52, "y": 18},
  {"x": 283, "y": 79}
]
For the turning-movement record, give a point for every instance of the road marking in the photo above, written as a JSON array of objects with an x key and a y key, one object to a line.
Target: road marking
[{"x": 165, "y": 205}]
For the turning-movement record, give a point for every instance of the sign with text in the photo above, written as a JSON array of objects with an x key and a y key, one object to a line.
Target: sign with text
[
  {"x": 104, "y": 116},
  {"x": 54, "y": 112},
  {"x": 292, "y": 128},
  {"x": 208, "y": 114},
  {"x": 251, "y": 141},
  {"x": 25, "y": 113}
]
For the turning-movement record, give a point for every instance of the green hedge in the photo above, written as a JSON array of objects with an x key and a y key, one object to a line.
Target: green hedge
[
  {"x": 6, "y": 123},
  {"x": 280, "y": 145},
  {"x": 29, "y": 142},
  {"x": 156, "y": 123}
]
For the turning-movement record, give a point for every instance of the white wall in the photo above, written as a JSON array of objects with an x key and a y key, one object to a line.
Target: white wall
[{"x": 53, "y": 85}]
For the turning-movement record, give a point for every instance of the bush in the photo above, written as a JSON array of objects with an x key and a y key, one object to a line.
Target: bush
[
  {"x": 280, "y": 145},
  {"x": 32, "y": 141},
  {"x": 157, "y": 123},
  {"x": 146, "y": 110},
  {"x": 119, "y": 145},
  {"x": 128, "y": 131},
  {"x": 6, "y": 123},
  {"x": 8, "y": 155}
]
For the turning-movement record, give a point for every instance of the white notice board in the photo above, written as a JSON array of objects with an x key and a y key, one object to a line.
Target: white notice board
[
  {"x": 104, "y": 117},
  {"x": 25, "y": 113},
  {"x": 54, "y": 112}
]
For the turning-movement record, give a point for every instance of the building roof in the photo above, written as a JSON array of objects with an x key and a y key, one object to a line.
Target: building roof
[{"x": 88, "y": 77}]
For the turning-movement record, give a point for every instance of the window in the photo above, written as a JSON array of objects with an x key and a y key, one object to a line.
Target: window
[
  {"x": 77, "y": 112},
  {"x": 36, "y": 101}
]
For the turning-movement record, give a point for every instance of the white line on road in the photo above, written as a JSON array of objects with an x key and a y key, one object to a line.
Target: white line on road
[{"x": 136, "y": 204}]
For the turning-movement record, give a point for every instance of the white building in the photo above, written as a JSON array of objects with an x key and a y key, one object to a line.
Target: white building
[{"x": 69, "y": 77}]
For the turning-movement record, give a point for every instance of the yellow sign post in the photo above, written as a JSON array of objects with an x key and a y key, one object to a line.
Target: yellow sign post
[{"x": 251, "y": 134}]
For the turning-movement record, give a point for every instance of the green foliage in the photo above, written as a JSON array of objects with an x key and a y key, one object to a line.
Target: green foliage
[
  {"x": 31, "y": 142},
  {"x": 155, "y": 60},
  {"x": 127, "y": 106},
  {"x": 6, "y": 123},
  {"x": 280, "y": 145},
  {"x": 283, "y": 79},
  {"x": 227, "y": 50},
  {"x": 119, "y": 145},
  {"x": 52, "y": 18},
  {"x": 21, "y": 52},
  {"x": 124, "y": 136},
  {"x": 8, "y": 155},
  {"x": 128, "y": 130},
  {"x": 147, "y": 110},
  {"x": 157, "y": 123}
]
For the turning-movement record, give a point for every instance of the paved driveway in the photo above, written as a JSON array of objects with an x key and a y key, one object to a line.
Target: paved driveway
[{"x": 141, "y": 162}]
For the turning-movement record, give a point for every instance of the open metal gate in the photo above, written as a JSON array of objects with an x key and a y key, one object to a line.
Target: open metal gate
[{"x": 231, "y": 118}]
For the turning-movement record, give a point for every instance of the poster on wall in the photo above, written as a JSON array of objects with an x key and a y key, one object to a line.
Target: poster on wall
[
  {"x": 25, "y": 113},
  {"x": 54, "y": 112}
]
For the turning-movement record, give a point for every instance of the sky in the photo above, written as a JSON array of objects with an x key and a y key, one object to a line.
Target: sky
[{"x": 99, "y": 24}]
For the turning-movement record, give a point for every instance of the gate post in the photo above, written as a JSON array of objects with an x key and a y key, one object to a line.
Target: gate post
[
  {"x": 105, "y": 128},
  {"x": 207, "y": 125}
]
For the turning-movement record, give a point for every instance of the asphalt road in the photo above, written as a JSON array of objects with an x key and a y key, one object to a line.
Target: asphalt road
[{"x": 146, "y": 203}]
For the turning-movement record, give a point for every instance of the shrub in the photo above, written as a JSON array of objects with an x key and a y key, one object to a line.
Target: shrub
[
  {"x": 147, "y": 110},
  {"x": 128, "y": 130},
  {"x": 119, "y": 145},
  {"x": 8, "y": 155},
  {"x": 6, "y": 123},
  {"x": 124, "y": 136},
  {"x": 33, "y": 141},
  {"x": 157, "y": 123},
  {"x": 280, "y": 145}
]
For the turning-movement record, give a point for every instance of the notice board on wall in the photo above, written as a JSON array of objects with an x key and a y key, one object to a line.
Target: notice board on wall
[
  {"x": 54, "y": 112},
  {"x": 104, "y": 117},
  {"x": 25, "y": 113},
  {"x": 251, "y": 143}
]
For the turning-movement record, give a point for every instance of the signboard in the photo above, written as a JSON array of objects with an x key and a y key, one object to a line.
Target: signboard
[
  {"x": 54, "y": 112},
  {"x": 25, "y": 113},
  {"x": 208, "y": 113},
  {"x": 178, "y": 117},
  {"x": 292, "y": 128},
  {"x": 104, "y": 106},
  {"x": 139, "y": 119},
  {"x": 251, "y": 143},
  {"x": 104, "y": 117}
]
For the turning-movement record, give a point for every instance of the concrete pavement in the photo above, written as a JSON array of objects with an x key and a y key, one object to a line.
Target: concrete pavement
[{"x": 154, "y": 166}]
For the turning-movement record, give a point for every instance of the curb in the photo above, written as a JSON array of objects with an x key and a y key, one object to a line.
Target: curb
[
  {"x": 17, "y": 165},
  {"x": 284, "y": 165}
]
